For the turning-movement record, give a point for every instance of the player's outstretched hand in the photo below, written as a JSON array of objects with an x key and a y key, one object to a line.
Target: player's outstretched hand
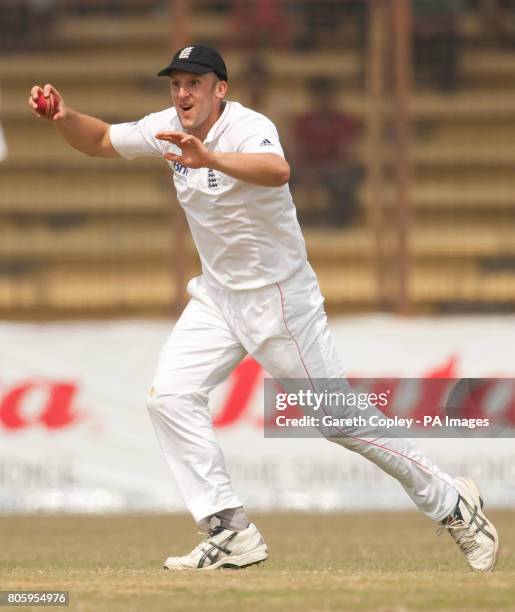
[
  {"x": 194, "y": 152},
  {"x": 52, "y": 97}
]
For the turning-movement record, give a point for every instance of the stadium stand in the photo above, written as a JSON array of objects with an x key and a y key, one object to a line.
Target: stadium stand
[{"x": 83, "y": 237}]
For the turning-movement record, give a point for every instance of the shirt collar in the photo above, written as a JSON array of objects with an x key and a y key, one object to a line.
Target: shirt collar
[{"x": 220, "y": 125}]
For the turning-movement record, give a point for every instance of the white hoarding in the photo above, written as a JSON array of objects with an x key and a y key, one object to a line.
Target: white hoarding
[{"x": 75, "y": 435}]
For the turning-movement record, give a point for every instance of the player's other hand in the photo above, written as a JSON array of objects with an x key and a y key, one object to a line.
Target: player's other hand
[
  {"x": 48, "y": 90},
  {"x": 194, "y": 153}
]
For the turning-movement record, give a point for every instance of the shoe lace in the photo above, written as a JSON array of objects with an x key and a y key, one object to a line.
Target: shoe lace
[
  {"x": 201, "y": 546},
  {"x": 461, "y": 533}
]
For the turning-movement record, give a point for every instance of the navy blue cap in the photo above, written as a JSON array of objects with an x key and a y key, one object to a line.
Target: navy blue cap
[{"x": 198, "y": 59}]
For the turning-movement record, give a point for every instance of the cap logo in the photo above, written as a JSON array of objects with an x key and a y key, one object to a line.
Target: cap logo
[{"x": 186, "y": 52}]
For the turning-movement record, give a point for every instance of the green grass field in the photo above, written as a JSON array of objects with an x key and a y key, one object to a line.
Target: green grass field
[{"x": 360, "y": 561}]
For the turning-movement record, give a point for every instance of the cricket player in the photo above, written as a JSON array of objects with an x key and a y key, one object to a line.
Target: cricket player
[{"x": 257, "y": 295}]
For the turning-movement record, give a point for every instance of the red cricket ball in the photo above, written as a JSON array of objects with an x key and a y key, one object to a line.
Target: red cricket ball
[{"x": 45, "y": 106}]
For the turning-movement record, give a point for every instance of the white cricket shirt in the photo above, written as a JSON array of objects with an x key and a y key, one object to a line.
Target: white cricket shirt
[{"x": 247, "y": 236}]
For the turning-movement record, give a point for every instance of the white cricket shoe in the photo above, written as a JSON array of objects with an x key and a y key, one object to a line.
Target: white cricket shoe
[
  {"x": 223, "y": 548},
  {"x": 474, "y": 534}
]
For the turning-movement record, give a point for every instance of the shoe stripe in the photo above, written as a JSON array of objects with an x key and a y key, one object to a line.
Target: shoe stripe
[
  {"x": 481, "y": 527},
  {"x": 479, "y": 522},
  {"x": 213, "y": 558}
]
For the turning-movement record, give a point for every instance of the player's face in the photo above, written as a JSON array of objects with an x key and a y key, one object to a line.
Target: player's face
[{"x": 197, "y": 100}]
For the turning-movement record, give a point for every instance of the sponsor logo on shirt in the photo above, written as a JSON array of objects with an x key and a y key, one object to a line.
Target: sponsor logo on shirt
[
  {"x": 265, "y": 143},
  {"x": 179, "y": 169}
]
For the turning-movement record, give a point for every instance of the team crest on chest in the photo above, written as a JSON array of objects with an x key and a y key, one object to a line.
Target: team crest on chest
[{"x": 212, "y": 181}]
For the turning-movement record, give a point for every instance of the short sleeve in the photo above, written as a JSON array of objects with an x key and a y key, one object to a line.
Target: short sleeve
[
  {"x": 259, "y": 136},
  {"x": 136, "y": 139}
]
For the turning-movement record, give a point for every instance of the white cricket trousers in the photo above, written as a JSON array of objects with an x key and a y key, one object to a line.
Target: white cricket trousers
[{"x": 284, "y": 327}]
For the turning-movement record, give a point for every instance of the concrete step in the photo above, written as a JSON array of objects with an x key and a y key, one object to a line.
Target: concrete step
[
  {"x": 451, "y": 195},
  {"x": 77, "y": 238},
  {"x": 428, "y": 289},
  {"x": 100, "y": 67},
  {"x": 75, "y": 191},
  {"x": 96, "y": 238},
  {"x": 128, "y": 32},
  {"x": 455, "y": 242},
  {"x": 35, "y": 141},
  {"x": 64, "y": 289}
]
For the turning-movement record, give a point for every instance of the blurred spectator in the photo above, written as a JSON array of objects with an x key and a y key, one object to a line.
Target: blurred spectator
[
  {"x": 320, "y": 21},
  {"x": 324, "y": 160},
  {"x": 257, "y": 80},
  {"x": 261, "y": 24},
  {"x": 43, "y": 16},
  {"x": 14, "y": 23},
  {"x": 118, "y": 7},
  {"x": 3, "y": 143},
  {"x": 255, "y": 85},
  {"x": 436, "y": 42},
  {"x": 498, "y": 17},
  {"x": 25, "y": 23}
]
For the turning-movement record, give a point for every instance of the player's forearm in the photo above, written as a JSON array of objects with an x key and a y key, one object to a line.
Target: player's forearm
[
  {"x": 87, "y": 134},
  {"x": 267, "y": 169}
]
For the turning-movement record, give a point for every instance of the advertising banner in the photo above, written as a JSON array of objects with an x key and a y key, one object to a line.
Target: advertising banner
[{"x": 75, "y": 435}]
